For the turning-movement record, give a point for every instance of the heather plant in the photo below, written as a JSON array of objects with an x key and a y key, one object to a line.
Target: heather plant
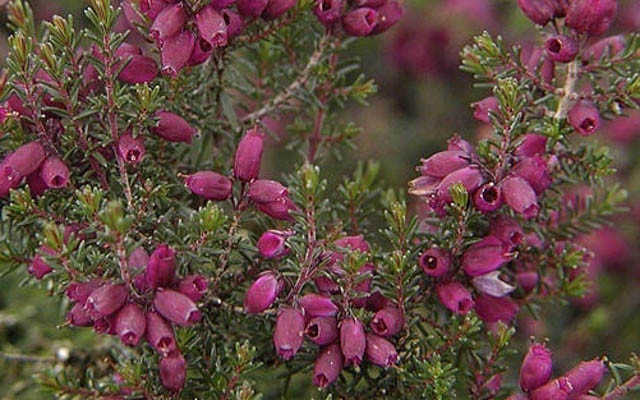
[{"x": 133, "y": 190}]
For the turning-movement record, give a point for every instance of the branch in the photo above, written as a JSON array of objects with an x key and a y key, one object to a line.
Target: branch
[
  {"x": 291, "y": 90},
  {"x": 569, "y": 89},
  {"x": 623, "y": 389}
]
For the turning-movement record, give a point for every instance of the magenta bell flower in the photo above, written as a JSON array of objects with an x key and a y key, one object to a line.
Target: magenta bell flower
[
  {"x": 173, "y": 371},
  {"x": 536, "y": 367},
  {"x": 328, "y": 365},
  {"x": 212, "y": 26},
  {"x": 611, "y": 46},
  {"x": 443, "y": 163},
  {"x": 168, "y": 22},
  {"x": 176, "y": 307},
  {"x": 485, "y": 256},
  {"x": 538, "y": 11},
  {"x": 488, "y": 198},
  {"x": 37, "y": 186},
  {"x": 388, "y": 15},
  {"x": 322, "y": 330},
  {"x": 140, "y": 69},
  {"x": 557, "y": 389},
  {"x": 534, "y": 171},
  {"x": 193, "y": 286},
  {"x": 251, "y": 8},
  {"x": 78, "y": 316},
  {"x": 173, "y": 128},
  {"x": 176, "y": 52},
  {"x": 531, "y": 145},
  {"x": 289, "y": 333},
  {"x": 435, "y": 262},
  {"x": 272, "y": 244},
  {"x": 584, "y": 118},
  {"x": 150, "y": 8},
  {"x": 106, "y": 299},
  {"x": 276, "y": 8},
  {"x": 160, "y": 335},
  {"x": 387, "y": 322},
  {"x": 266, "y": 191},
  {"x": 492, "y": 285},
  {"x": 105, "y": 325},
  {"x": 592, "y": 17},
  {"x": 22, "y": 162},
  {"x": 130, "y": 324},
  {"x": 585, "y": 376},
  {"x": 561, "y": 48},
  {"x": 424, "y": 185},
  {"x": 469, "y": 177},
  {"x": 356, "y": 242},
  {"x": 262, "y": 293},
  {"x": 80, "y": 291},
  {"x": 38, "y": 267},
  {"x": 360, "y": 21},
  {"x": 317, "y": 305},
  {"x": 520, "y": 196},
  {"x": 507, "y": 230},
  {"x": 328, "y": 12},
  {"x": 482, "y": 108},
  {"x": 161, "y": 268},
  {"x": 210, "y": 185},
  {"x": 532, "y": 57},
  {"x": 138, "y": 259},
  {"x": 248, "y": 156},
  {"x": 54, "y": 173},
  {"x": 202, "y": 50},
  {"x": 455, "y": 297},
  {"x": 527, "y": 280},
  {"x": 456, "y": 143},
  {"x": 352, "y": 341},
  {"x": 493, "y": 309},
  {"x": 235, "y": 23},
  {"x": 131, "y": 149},
  {"x": 380, "y": 351}
]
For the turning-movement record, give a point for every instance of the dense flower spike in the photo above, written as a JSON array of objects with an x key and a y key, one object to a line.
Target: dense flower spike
[
  {"x": 380, "y": 351},
  {"x": 289, "y": 333},
  {"x": 176, "y": 307},
  {"x": 317, "y": 305},
  {"x": 352, "y": 341},
  {"x": 130, "y": 324},
  {"x": 435, "y": 262},
  {"x": 131, "y": 149},
  {"x": 173, "y": 371},
  {"x": 322, "y": 330},
  {"x": 248, "y": 156},
  {"x": 455, "y": 297},
  {"x": 261, "y": 294},
  {"x": 584, "y": 118},
  {"x": 210, "y": 185},
  {"x": 159, "y": 334},
  {"x": 536, "y": 367},
  {"x": 592, "y": 17},
  {"x": 328, "y": 365},
  {"x": 173, "y": 128},
  {"x": 161, "y": 268}
]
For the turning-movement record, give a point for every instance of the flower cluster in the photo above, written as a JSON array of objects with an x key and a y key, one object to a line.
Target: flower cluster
[{"x": 362, "y": 18}]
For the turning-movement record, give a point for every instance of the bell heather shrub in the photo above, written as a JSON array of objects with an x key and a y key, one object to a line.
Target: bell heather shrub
[{"x": 133, "y": 189}]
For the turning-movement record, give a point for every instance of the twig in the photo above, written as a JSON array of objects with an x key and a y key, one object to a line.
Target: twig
[
  {"x": 623, "y": 389},
  {"x": 569, "y": 89},
  {"x": 26, "y": 358}
]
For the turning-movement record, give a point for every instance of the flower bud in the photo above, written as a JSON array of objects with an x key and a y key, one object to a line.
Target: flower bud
[
  {"x": 328, "y": 11},
  {"x": 317, "y": 305},
  {"x": 54, "y": 173},
  {"x": 388, "y": 15},
  {"x": 611, "y": 46},
  {"x": 561, "y": 48},
  {"x": 482, "y": 108},
  {"x": 161, "y": 268},
  {"x": 210, "y": 185},
  {"x": 173, "y": 128},
  {"x": 352, "y": 341},
  {"x": 592, "y": 17},
  {"x": 387, "y": 322},
  {"x": 485, "y": 256},
  {"x": 212, "y": 27},
  {"x": 22, "y": 162},
  {"x": 176, "y": 307},
  {"x": 289, "y": 333},
  {"x": 131, "y": 149},
  {"x": 193, "y": 286},
  {"x": 139, "y": 69},
  {"x": 265, "y": 191},
  {"x": 534, "y": 171},
  {"x": 360, "y": 21},
  {"x": 78, "y": 316},
  {"x": 261, "y": 294},
  {"x": 585, "y": 376},
  {"x": 469, "y": 177},
  {"x": 435, "y": 262},
  {"x": 168, "y": 23},
  {"x": 557, "y": 389},
  {"x": 531, "y": 145},
  {"x": 235, "y": 23},
  {"x": 160, "y": 334},
  {"x": 272, "y": 244},
  {"x": 130, "y": 324},
  {"x": 251, "y": 8},
  {"x": 520, "y": 196},
  {"x": 536, "y": 367},
  {"x": 248, "y": 156},
  {"x": 443, "y": 163},
  {"x": 322, "y": 330},
  {"x": 173, "y": 372},
  {"x": 328, "y": 365},
  {"x": 176, "y": 52},
  {"x": 380, "y": 351},
  {"x": 106, "y": 299},
  {"x": 487, "y": 198},
  {"x": 493, "y": 309},
  {"x": 277, "y": 8},
  {"x": 455, "y": 297},
  {"x": 539, "y": 11},
  {"x": 492, "y": 285},
  {"x": 584, "y": 118}
]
